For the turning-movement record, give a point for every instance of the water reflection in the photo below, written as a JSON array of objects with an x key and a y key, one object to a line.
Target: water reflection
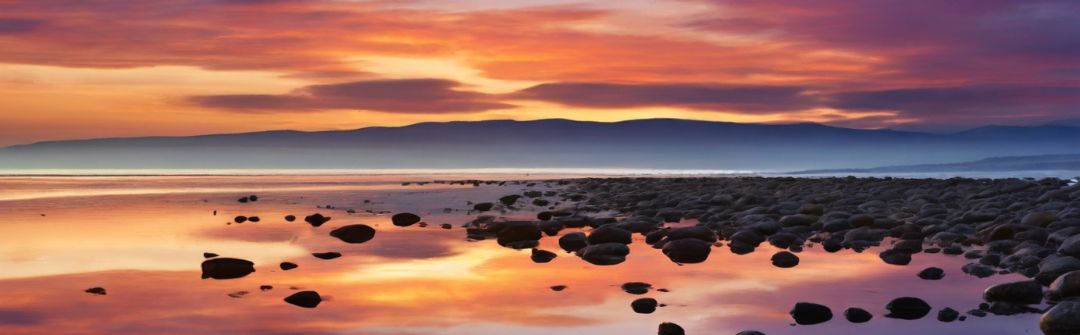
[{"x": 146, "y": 249}]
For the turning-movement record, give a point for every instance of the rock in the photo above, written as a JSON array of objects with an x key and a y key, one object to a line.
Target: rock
[
  {"x": 483, "y": 206},
  {"x": 326, "y": 255},
  {"x": 316, "y": 219},
  {"x": 948, "y": 315},
  {"x": 1008, "y": 308},
  {"x": 209, "y": 255},
  {"x": 357, "y": 233},
  {"x": 1021, "y": 292},
  {"x": 806, "y": 313},
  {"x": 558, "y": 288},
  {"x": 446, "y": 226},
  {"x": 932, "y": 273},
  {"x": 226, "y": 268},
  {"x": 907, "y": 308},
  {"x": 668, "y": 328},
  {"x": 637, "y": 288},
  {"x": 785, "y": 260},
  {"x": 895, "y": 257},
  {"x": 509, "y": 200},
  {"x": 286, "y": 266},
  {"x": 687, "y": 251},
  {"x": 1061, "y": 319},
  {"x": 404, "y": 219},
  {"x": 1053, "y": 267},
  {"x": 1039, "y": 219},
  {"x": 290, "y": 218},
  {"x": 698, "y": 232},
  {"x": 857, "y": 315},
  {"x": 542, "y": 256},
  {"x": 978, "y": 270},
  {"x": 1065, "y": 286},
  {"x": 750, "y": 332},
  {"x": 573, "y": 242},
  {"x": 544, "y": 216},
  {"x": 254, "y": 219},
  {"x": 610, "y": 234},
  {"x": 305, "y": 299},
  {"x": 96, "y": 290},
  {"x": 265, "y": 288},
  {"x": 798, "y": 220},
  {"x": 240, "y": 219},
  {"x": 519, "y": 235},
  {"x": 1070, "y": 247},
  {"x": 644, "y": 305},
  {"x": 605, "y": 254}
]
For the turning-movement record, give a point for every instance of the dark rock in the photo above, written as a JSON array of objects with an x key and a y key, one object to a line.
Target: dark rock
[
  {"x": 610, "y": 234},
  {"x": 573, "y": 242},
  {"x": 668, "y": 328},
  {"x": 226, "y": 268},
  {"x": 1021, "y": 292},
  {"x": 542, "y": 256},
  {"x": 785, "y": 259},
  {"x": 483, "y": 206},
  {"x": 948, "y": 315},
  {"x": 519, "y": 235},
  {"x": 698, "y": 232},
  {"x": 637, "y": 288},
  {"x": 316, "y": 219},
  {"x": 907, "y": 308},
  {"x": 1061, "y": 319},
  {"x": 357, "y": 233},
  {"x": 240, "y": 219},
  {"x": 96, "y": 290},
  {"x": 544, "y": 216},
  {"x": 265, "y": 288},
  {"x": 290, "y": 218},
  {"x": 605, "y": 254},
  {"x": 932, "y": 273},
  {"x": 326, "y": 255},
  {"x": 1053, "y": 267},
  {"x": 750, "y": 332},
  {"x": 558, "y": 288},
  {"x": 305, "y": 299},
  {"x": 857, "y": 315},
  {"x": 446, "y": 226},
  {"x": 806, "y": 313},
  {"x": 404, "y": 219},
  {"x": 895, "y": 257},
  {"x": 687, "y": 251},
  {"x": 209, "y": 255},
  {"x": 286, "y": 266},
  {"x": 254, "y": 219},
  {"x": 1065, "y": 286},
  {"x": 978, "y": 270},
  {"x": 644, "y": 305},
  {"x": 510, "y": 199}
]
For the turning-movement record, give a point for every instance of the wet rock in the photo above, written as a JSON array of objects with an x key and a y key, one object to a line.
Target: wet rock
[
  {"x": 519, "y": 235},
  {"x": 687, "y": 251},
  {"x": 240, "y": 219},
  {"x": 286, "y": 266},
  {"x": 541, "y": 202},
  {"x": 1070, "y": 247},
  {"x": 857, "y": 315},
  {"x": 895, "y": 257},
  {"x": 948, "y": 315},
  {"x": 544, "y": 216},
  {"x": 1039, "y": 219},
  {"x": 656, "y": 236},
  {"x": 978, "y": 270},
  {"x": 558, "y": 288},
  {"x": 509, "y": 200},
  {"x": 932, "y": 273},
  {"x": 798, "y": 220},
  {"x": 226, "y": 268},
  {"x": 96, "y": 290},
  {"x": 254, "y": 219},
  {"x": 209, "y": 255},
  {"x": 446, "y": 226},
  {"x": 610, "y": 234},
  {"x": 750, "y": 332},
  {"x": 637, "y": 288},
  {"x": 542, "y": 256},
  {"x": 785, "y": 259},
  {"x": 1053, "y": 267},
  {"x": 316, "y": 219},
  {"x": 1021, "y": 292},
  {"x": 698, "y": 232},
  {"x": 1008, "y": 308},
  {"x": 265, "y": 288},
  {"x": 806, "y": 313},
  {"x": 907, "y": 308},
  {"x": 404, "y": 219},
  {"x": 1061, "y": 319},
  {"x": 1065, "y": 286},
  {"x": 644, "y": 305},
  {"x": 668, "y": 328},
  {"x": 357, "y": 233},
  {"x": 483, "y": 206},
  {"x": 305, "y": 299},
  {"x": 573, "y": 242},
  {"x": 605, "y": 254},
  {"x": 326, "y": 255},
  {"x": 290, "y": 218}
]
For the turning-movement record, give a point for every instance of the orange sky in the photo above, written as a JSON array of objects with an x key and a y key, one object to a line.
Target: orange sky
[{"x": 101, "y": 68}]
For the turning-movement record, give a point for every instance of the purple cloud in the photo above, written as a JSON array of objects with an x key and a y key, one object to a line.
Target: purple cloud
[{"x": 18, "y": 25}]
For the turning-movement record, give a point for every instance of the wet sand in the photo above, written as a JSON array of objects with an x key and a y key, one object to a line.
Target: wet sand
[{"x": 143, "y": 239}]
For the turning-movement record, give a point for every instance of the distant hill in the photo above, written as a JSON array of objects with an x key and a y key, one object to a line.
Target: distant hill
[
  {"x": 651, "y": 143},
  {"x": 995, "y": 164}
]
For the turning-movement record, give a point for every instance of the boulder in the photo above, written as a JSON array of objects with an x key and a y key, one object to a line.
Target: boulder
[{"x": 226, "y": 268}]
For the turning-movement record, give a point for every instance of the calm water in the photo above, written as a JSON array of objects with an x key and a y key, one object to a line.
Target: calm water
[{"x": 142, "y": 238}]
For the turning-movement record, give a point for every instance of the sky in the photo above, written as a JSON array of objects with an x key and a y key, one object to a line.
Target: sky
[{"x": 113, "y": 68}]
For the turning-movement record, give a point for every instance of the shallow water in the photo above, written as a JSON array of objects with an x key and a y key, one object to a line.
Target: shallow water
[{"x": 142, "y": 239}]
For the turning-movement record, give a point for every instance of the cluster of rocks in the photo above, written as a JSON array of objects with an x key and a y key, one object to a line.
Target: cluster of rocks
[{"x": 1023, "y": 226}]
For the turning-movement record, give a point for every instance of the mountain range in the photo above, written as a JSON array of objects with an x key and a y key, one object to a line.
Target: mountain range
[{"x": 553, "y": 143}]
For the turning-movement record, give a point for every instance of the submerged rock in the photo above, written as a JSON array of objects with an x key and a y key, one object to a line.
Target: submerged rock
[
  {"x": 316, "y": 219},
  {"x": 785, "y": 259},
  {"x": 932, "y": 273},
  {"x": 907, "y": 308},
  {"x": 542, "y": 256},
  {"x": 948, "y": 315},
  {"x": 226, "y": 268},
  {"x": 519, "y": 235},
  {"x": 857, "y": 315},
  {"x": 404, "y": 219},
  {"x": 483, "y": 206},
  {"x": 668, "y": 328},
  {"x": 637, "y": 288},
  {"x": 806, "y": 313},
  {"x": 305, "y": 299},
  {"x": 357, "y": 233}
]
